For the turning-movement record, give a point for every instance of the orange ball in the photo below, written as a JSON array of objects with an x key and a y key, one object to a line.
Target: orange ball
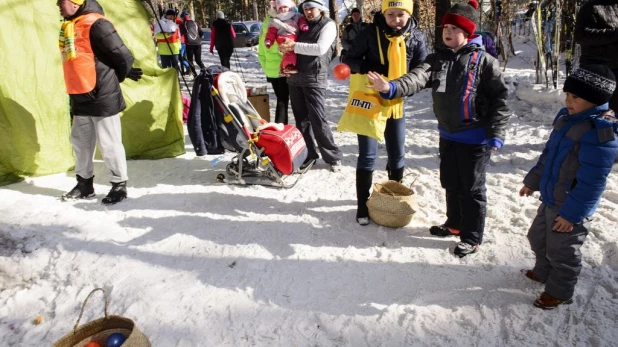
[
  {"x": 341, "y": 71},
  {"x": 92, "y": 344}
]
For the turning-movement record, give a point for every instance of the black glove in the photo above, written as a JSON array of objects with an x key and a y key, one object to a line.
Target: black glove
[{"x": 135, "y": 73}]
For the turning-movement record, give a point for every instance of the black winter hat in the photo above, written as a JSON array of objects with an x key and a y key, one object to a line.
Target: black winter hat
[
  {"x": 355, "y": 9},
  {"x": 593, "y": 83}
]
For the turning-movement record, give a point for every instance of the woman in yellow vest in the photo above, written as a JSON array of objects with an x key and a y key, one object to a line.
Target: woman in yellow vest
[{"x": 167, "y": 35}]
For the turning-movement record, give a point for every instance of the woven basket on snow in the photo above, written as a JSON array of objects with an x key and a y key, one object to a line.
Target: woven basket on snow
[
  {"x": 392, "y": 204},
  {"x": 99, "y": 330}
]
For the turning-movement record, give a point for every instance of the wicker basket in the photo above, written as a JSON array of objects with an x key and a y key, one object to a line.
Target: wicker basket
[
  {"x": 100, "y": 329},
  {"x": 392, "y": 204}
]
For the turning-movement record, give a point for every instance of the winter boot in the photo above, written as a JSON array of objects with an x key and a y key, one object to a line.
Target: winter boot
[
  {"x": 464, "y": 248},
  {"x": 116, "y": 194},
  {"x": 395, "y": 175},
  {"x": 443, "y": 230},
  {"x": 531, "y": 275},
  {"x": 83, "y": 190},
  {"x": 548, "y": 302},
  {"x": 363, "y": 185}
]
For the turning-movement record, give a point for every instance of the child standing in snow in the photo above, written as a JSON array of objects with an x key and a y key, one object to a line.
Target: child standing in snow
[
  {"x": 285, "y": 25},
  {"x": 469, "y": 101},
  {"x": 571, "y": 174}
]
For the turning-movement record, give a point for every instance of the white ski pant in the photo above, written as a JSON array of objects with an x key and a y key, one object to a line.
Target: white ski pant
[{"x": 85, "y": 134}]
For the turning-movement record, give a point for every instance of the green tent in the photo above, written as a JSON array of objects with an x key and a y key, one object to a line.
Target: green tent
[{"x": 34, "y": 105}]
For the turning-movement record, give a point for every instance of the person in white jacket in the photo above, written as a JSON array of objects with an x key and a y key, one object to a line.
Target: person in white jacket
[{"x": 314, "y": 49}]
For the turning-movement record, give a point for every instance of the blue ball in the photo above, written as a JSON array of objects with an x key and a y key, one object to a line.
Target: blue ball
[{"x": 115, "y": 340}]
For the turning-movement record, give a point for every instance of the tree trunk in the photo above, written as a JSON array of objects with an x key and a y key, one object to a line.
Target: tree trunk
[
  {"x": 442, "y": 6},
  {"x": 191, "y": 10},
  {"x": 334, "y": 11}
]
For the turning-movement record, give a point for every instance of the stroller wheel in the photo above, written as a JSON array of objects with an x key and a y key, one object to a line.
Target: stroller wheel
[
  {"x": 220, "y": 177},
  {"x": 231, "y": 168}
]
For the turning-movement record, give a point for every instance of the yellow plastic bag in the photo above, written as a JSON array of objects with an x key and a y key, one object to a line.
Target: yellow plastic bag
[{"x": 363, "y": 113}]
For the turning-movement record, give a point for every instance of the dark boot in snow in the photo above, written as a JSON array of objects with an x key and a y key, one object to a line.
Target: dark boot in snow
[
  {"x": 395, "y": 175},
  {"x": 531, "y": 275},
  {"x": 548, "y": 302},
  {"x": 83, "y": 190},
  {"x": 116, "y": 194},
  {"x": 363, "y": 185},
  {"x": 443, "y": 230}
]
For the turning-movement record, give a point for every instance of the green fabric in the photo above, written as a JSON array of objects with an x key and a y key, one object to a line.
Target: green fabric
[
  {"x": 269, "y": 58},
  {"x": 34, "y": 106}
]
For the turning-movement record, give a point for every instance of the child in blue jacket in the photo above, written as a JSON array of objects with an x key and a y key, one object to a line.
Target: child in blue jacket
[{"x": 571, "y": 174}]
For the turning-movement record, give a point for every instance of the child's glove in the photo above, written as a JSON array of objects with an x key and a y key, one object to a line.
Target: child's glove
[
  {"x": 135, "y": 74},
  {"x": 495, "y": 143}
]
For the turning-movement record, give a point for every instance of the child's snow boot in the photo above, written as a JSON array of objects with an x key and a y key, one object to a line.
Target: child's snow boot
[
  {"x": 291, "y": 69},
  {"x": 531, "y": 275},
  {"x": 83, "y": 190},
  {"x": 548, "y": 302},
  {"x": 443, "y": 230},
  {"x": 116, "y": 194},
  {"x": 464, "y": 248}
]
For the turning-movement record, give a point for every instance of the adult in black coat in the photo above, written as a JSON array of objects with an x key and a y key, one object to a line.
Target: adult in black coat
[
  {"x": 222, "y": 34},
  {"x": 596, "y": 30}
]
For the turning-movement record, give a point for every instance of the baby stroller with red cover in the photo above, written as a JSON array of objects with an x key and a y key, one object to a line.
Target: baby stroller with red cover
[{"x": 268, "y": 153}]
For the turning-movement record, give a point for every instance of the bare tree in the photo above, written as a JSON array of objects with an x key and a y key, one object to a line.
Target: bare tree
[{"x": 334, "y": 11}]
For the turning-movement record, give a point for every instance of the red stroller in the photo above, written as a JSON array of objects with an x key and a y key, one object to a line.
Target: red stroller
[{"x": 268, "y": 153}]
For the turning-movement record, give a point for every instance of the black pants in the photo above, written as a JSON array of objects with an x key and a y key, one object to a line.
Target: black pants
[
  {"x": 463, "y": 169},
  {"x": 169, "y": 61},
  {"x": 195, "y": 51},
  {"x": 224, "y": 55},
  {"x": 310, "y": 116},
  {"x": 282, "y": 92}
]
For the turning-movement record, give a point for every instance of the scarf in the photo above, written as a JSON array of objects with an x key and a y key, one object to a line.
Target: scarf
[
  {"x": 66, "y": 42},
  {"x": 396, "y": 55}
]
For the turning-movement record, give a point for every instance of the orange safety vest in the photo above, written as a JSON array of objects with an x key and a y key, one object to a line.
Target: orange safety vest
[{"x": 80, "y": 75}]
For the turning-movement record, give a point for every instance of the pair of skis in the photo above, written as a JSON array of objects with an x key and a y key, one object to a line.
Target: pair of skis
[{"x": 549, "y": 57}]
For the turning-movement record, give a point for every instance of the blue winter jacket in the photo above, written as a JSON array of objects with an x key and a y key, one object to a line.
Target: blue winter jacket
[{"x": 572, "y": 170}]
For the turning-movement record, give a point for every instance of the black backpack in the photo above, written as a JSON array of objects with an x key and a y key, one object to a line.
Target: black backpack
[{"x": 193, "y": 33}]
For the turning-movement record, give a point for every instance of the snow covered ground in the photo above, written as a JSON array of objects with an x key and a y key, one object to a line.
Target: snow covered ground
[{"x": 195, "y": 262}]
